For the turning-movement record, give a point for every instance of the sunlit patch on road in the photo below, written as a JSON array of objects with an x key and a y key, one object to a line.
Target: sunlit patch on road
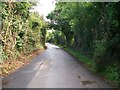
[{"x": 52, "y": 46}]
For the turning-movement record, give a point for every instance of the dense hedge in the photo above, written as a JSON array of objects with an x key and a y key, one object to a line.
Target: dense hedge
[{"x": 22, "y": 31}]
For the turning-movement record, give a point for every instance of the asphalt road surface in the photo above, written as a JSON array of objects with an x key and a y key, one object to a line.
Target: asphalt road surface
[{"x": 53, "y": 68}]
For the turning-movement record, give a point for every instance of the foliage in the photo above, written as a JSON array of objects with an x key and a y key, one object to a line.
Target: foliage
[
  {"x": 56, "y": 37},
  {"x": 50, "y": 37},
  {"x": 112, "y": 74},
  {"x": 21, "y": 29}
]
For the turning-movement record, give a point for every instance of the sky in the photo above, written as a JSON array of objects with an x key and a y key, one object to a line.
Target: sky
[{"x": 44, "y": 7}]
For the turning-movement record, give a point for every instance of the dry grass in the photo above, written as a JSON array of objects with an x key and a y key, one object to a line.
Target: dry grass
[{"x": 10, "y": 66}]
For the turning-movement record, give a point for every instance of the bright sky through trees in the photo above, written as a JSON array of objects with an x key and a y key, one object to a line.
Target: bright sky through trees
[{"x": 44, "y": 7}]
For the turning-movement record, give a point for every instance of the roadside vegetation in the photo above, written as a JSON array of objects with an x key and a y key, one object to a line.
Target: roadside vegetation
[
  {"x": 22, "y": 34},
  {"x": 89, "y": 31}
]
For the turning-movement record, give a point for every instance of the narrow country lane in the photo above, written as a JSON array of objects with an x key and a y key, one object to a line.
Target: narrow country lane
[{"x": 54, "y": 68}]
